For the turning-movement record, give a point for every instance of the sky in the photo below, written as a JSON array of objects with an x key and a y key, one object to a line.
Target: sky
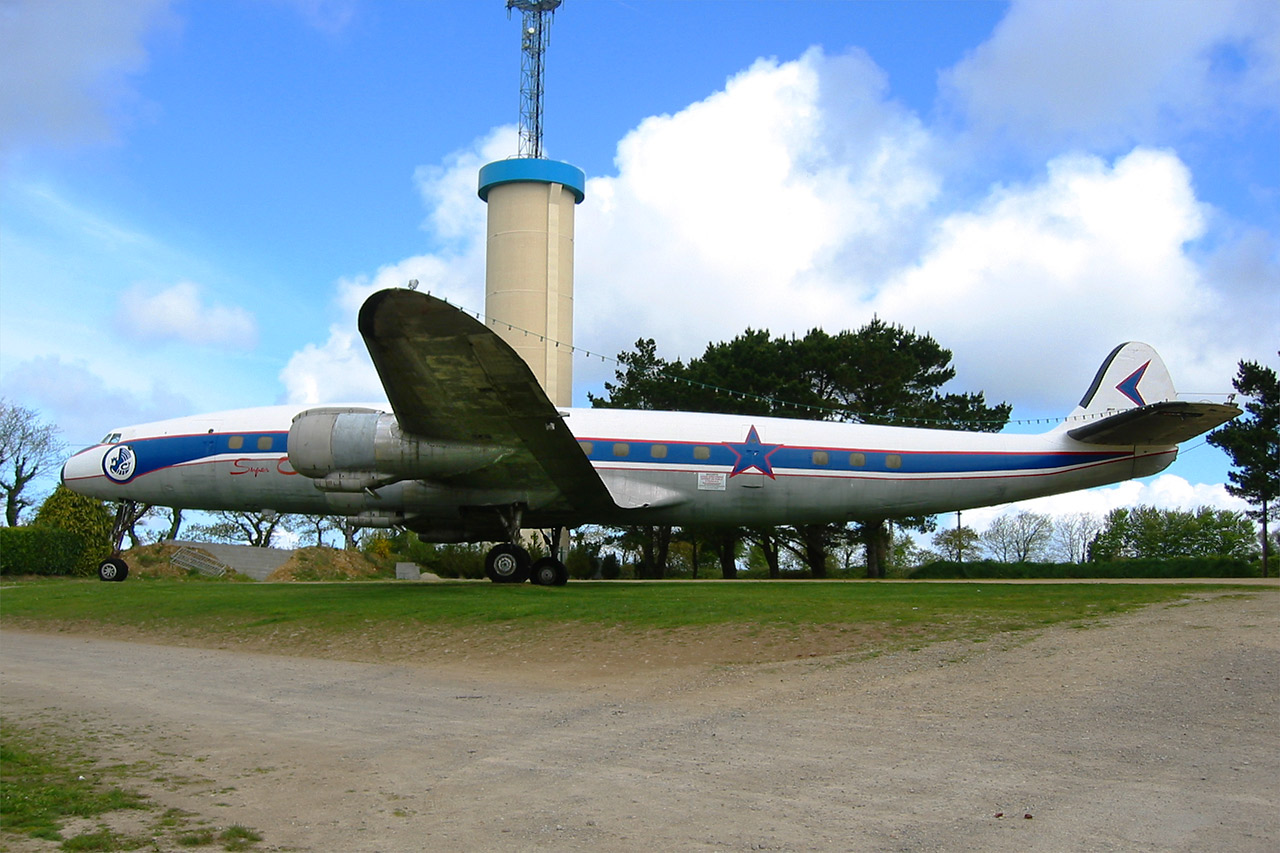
[{"x": 195, "y": 197}]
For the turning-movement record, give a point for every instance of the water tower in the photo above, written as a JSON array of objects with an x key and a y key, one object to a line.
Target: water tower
[{"x": 529, "y": 250}]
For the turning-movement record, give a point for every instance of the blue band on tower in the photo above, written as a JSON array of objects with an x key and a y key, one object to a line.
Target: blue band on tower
[{"x": 530, "y": 169}]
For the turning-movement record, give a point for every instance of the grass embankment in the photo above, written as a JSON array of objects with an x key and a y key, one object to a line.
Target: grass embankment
[{"x": 356, "y": 620}]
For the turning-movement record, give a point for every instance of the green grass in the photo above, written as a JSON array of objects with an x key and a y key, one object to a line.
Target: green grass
[
  {"x": 43, "y": 783},
  {"x": 927, "y": 611}
]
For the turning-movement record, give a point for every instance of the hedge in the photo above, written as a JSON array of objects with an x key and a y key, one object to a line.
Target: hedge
[
  {"x": 1176, "y": 567},
  {"x": 41, "y": 551}
]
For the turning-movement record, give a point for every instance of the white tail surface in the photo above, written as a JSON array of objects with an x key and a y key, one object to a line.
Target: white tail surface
[{"x": 1132, "y": 376}]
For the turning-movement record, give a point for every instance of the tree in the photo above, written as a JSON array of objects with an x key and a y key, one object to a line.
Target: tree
[
  {"x": 1253, "y": 443},
  {"x": 1020, "y": 537},
  {"x": 1147, "y": 532},
  {"x": 252, "y": 528},
  {"x": 1072, "y": 535},
  {"x": 28, "y": 449},
  {"x": 644, "y": 381},
  {"x": 84, "y": 516},
  {"x": 175, "y": 516},
  {"x": 317, "y": 526},
  {"x": 957, "y": 544}
]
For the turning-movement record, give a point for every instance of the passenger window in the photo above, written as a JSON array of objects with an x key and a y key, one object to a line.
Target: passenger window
[
  {"x": 264, "y": 442},
  {"x": 587, "y": 447},
  {"x": 658, "y": 451},
  {"x": 621, "y": 449},
  {"x": 857, "y": 460},
  {"x": 820, "y": 457},
  {"x": 235, "y": 442},
  {"x": 893, "y": 460},
  {"x": 702, "y": 452}
]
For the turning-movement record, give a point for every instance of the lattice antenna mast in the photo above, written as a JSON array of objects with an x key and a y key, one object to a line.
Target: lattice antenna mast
[{"x": 535, "y": 34}]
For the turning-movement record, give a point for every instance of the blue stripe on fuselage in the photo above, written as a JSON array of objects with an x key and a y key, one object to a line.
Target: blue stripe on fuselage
[
  {"x": 167, "y": 451},
  {"x": 843, "y": 459}
]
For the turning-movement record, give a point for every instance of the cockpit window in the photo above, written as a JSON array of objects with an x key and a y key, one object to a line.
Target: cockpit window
[{"x": 111, "y": 438}]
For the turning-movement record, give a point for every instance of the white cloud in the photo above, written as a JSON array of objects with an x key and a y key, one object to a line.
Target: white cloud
[
  {"x": 66, "y": 66},
  {"x": 179, "y": 313},
  {"x": 1101, "y": 72},
  {"x": 774, "y": 203},
  {"x": 1037, "y": 283},
  {"x": 84, "y": 404}
]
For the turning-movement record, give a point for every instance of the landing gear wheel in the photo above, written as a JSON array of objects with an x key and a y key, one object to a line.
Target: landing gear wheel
[
  {"x": 507, "y": 563},
  {"x": 549, "y": 571},
  {"x": 113, "y": 569}
]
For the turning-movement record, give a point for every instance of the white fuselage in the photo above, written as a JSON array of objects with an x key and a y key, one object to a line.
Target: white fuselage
[{"x": 659, "y": 467}]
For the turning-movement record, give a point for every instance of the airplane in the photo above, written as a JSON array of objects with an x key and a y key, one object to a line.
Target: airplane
[{"x": 473, "y": 450}]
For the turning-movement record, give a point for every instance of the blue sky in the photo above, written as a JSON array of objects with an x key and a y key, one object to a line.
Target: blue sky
[{"x": 197, "y": 195}]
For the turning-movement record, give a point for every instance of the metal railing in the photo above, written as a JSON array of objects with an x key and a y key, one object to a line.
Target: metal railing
[{"x": 189, "y": 558}]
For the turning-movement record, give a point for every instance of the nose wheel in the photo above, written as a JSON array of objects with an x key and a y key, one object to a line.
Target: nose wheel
[{"x": 113, "y": 569}]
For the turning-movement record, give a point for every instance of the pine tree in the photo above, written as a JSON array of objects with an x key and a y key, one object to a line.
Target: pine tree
[{"x": 1253, "y": 443}]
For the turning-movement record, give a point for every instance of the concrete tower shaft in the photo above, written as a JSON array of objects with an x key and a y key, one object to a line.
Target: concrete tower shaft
[{"x": 529, "y": 264}]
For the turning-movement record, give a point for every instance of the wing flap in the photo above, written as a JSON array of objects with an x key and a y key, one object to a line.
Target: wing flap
[
  {"x": 448, "y": 376},
  {"x": 1158, "y": 424}
]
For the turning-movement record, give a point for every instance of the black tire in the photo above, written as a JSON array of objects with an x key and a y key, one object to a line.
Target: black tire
[
  {"x": 545, "y": 571},
  {"x": 113, "y": 570},
  {"x": 562, "y": 574},
  {"x": 507, "y": 563}
]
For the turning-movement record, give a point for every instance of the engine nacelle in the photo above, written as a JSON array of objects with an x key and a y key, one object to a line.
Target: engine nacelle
[
  {"x": 351, "y": 450},
  {"x": 384, "y": 520}
]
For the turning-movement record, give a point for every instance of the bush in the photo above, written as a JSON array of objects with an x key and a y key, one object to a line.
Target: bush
[
  {"x": 42, "y": 551},
  {"x": 1173, "y": 567},
  {"x": 87, "y": 517},
  {"x": 453, "y": 560}
]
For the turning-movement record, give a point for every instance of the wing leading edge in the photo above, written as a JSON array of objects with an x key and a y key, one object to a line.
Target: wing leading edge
[{"x": 449, "y": 377}]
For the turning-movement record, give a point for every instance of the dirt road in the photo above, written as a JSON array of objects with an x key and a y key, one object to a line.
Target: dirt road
[{"x": 1158, "y": 731}]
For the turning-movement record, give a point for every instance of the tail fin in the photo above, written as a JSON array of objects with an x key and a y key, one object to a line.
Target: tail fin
[
  {"x": 1133, "y": 375},
  {"x": 1132, "y": 402}
]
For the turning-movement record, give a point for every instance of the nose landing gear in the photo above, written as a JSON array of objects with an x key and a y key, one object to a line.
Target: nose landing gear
[{"x": 113, "y": 568}]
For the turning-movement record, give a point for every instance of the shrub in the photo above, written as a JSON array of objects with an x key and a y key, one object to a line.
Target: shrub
[
  {"x": 87, "y": 517},
  {"x": 42, "y": 551},
  {"x": 1173, "y": 567}
]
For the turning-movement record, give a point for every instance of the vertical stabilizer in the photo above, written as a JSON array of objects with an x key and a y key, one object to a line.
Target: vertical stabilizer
[{"x": 1133, "y": 375}]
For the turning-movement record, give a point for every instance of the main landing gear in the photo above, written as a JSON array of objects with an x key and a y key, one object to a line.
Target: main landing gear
[
  {"x": 113, "y": 568},
  {"x": 509, "y": 562}
]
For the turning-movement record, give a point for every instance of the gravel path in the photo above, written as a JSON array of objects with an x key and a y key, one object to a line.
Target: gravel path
[{"x": 1157, "y": 731}]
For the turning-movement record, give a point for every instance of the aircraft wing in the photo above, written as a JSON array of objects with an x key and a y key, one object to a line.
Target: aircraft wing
[
  {"x": 450, "y": 377},
  {"x": 1170, "y": 422}
]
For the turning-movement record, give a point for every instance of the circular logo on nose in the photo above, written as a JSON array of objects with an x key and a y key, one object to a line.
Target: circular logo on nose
[{"x": 120, "y": 463}]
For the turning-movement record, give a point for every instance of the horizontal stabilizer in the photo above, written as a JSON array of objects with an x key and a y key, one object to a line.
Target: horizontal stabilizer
[{"x": 1158, "y": 424}]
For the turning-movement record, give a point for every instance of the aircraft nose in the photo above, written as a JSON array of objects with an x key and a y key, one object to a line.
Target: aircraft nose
[{"x": 76, "y": 470}]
